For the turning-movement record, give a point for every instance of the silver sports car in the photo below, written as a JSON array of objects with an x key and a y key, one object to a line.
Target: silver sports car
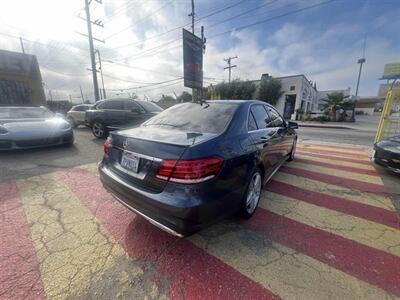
[{"x": 31, "y": 127}]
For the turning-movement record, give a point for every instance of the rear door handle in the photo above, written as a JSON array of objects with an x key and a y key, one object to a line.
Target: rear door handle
[{"x": 263, "y": 138}]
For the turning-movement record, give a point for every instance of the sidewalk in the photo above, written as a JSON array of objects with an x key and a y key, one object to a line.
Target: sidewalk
[{"x": 363, "y": 123}]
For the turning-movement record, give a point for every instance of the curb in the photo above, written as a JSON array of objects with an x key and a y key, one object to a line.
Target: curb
[{"x": 324, "y": 126}]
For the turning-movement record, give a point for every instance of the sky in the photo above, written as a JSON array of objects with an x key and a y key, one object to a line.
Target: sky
[{"x": 142, "y": 49}]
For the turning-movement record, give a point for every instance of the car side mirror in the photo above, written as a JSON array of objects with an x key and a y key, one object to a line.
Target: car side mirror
[
  {"x": 136, "y": 110},
  {"x": 292, "y": 125}
]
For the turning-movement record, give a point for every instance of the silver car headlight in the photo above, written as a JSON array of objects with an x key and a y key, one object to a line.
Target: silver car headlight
[{"x": 3, "y": 130}]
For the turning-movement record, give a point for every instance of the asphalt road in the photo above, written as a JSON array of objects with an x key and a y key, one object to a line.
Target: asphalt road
[
  {"x": 27, "y": 163},
  {"x": 343, "y": 136}
]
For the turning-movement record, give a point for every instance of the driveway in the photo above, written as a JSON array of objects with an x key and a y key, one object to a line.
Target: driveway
[{"x": 326, "y": 228}]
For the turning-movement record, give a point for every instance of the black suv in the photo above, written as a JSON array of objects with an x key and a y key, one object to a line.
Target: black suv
[{"x": 112, "y": 114}]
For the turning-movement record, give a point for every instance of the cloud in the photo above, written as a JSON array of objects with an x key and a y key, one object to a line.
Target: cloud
[{"x": 326, "y": 53}]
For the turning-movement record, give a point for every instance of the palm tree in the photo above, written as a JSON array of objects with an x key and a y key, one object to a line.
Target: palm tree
[{"x": 334, "y": 102}]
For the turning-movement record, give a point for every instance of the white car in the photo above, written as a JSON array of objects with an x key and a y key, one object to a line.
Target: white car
[
  {"x": 76, "y": 115},
  {"x": 31, "y": 127}
]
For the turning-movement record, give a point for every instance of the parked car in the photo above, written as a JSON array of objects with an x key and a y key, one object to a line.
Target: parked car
[
  {"x": 193, "y": 164},
  {"x": 30, "y": 127},
  {"x": 112, "y": 114},
  {"x": 76, "y": 115},
  {"x": 387, "y": 153}
]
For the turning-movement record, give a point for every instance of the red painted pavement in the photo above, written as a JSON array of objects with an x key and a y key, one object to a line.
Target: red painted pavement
[
  {"x": 322, "y": 155},
  {"x": 19, "y": 267},
  {"x": 191, "y": 272},
  {"x": 366, "y": 263},
  {"x": 360, "y": 210},
  {"x": 337, "y": 167},
  {"x": 330, "y": 179}
]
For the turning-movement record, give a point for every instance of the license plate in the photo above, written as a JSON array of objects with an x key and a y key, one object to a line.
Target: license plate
[{"x": 130, "y": 162}]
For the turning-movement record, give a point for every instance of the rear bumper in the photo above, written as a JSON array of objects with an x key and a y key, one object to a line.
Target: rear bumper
[{"x": 164, "y": 210}]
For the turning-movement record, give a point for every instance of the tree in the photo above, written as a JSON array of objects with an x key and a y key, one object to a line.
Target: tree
[
  {"x": 334, "y": 102},
  {"x": 237, "y": 89},
  {"x": 184, "y": 97},
  {"x": 270, "y": 91}
]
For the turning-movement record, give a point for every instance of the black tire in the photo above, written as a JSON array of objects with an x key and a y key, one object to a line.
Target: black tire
[
  {"x": 293, "y": 151},
  {"x": 250, "y": 202},
  {"x": 99, "y": 130}
]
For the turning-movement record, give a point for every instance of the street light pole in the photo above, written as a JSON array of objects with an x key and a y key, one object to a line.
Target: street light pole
[{"x": 361, "y": 61}]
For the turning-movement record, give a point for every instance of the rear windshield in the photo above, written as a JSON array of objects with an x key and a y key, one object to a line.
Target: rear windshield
[
  {"x": 149, "y": 106},
  {"x": 24, "y": 113},
  {"x": 210, "y": 117}
]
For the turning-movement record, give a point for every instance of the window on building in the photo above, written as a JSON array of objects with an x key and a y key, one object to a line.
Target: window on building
[{"x": 292, "y": 87}]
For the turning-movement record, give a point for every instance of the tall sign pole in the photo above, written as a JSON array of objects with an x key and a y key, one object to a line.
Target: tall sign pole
[
  {"x": 192, "y": 14},
  {"x": 92, "y": 54}
]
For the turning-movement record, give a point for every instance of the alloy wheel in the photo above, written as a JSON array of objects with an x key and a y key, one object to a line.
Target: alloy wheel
[
  {"x": 253, "y": 193},
  {"x": 98, "y": 130}
]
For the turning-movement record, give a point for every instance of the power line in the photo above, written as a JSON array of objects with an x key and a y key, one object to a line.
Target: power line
[
  {"x": 144, "y": 86},
  {"x": 140, "y": 20},
  {"x": 273, "y": 18},
  {"x": 179, "y": 27},
  {"x": 243, "y": 13},
  {"x": 62, "y": 73}
]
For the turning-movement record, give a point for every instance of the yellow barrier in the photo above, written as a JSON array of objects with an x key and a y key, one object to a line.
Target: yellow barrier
[{"x": 389, "y": 124}]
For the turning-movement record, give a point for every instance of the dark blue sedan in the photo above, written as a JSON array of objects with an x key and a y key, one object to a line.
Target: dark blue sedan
[{"x": 196, "y": 163}]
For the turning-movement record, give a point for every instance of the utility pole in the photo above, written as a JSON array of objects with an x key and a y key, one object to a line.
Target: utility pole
[
  {"x": 229, "y": 67},
  {"x": 22, "y": 45},
  {"x": 101, "y": 73},
  {"x": 83, "y": 99},
  {"x": 91, "y": 49}
]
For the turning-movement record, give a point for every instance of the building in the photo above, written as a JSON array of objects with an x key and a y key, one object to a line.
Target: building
[
  {"x": 299, "y": 92},
  {"x": 20, "y": 79},
  {"x": 384, "y": 88}
]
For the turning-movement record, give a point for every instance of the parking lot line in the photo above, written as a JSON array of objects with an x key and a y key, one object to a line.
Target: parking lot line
[
  {"x": 335, "y": 190},
  {"x": 285, "y": 271},
  {"x": 19, "y": 267},
  {"x": 73, "y": 249},
  {"x": 335, "y": 180},
  {"x": 360, "y": 230},
  {"x": 362, "y": 160},
  {"x": 192, "y": 273},
  {"x": 336, "y": 166},
  {"x": 337, "y": 162},
  {"x": 335, "y": 171},
  {"x": 366, "y": 263},
  {"x": 368, "y": 212}
]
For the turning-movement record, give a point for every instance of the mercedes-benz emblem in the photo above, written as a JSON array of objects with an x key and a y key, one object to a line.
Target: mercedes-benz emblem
[{"x": 125, "y": 144}]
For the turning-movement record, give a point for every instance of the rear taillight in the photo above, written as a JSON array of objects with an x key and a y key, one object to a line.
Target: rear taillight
[
  {"x": 189, "y": 171},
  {"x": 106, "y": 147}
]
